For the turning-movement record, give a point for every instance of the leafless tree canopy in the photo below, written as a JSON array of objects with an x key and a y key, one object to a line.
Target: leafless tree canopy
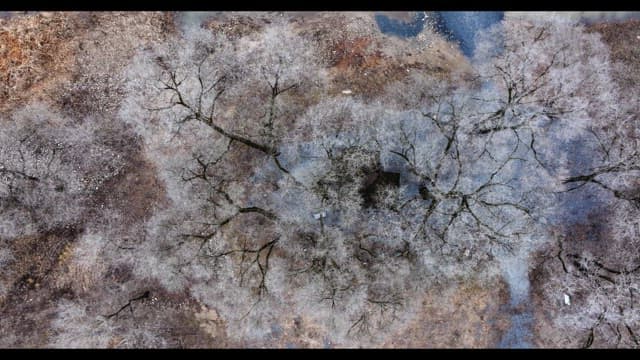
[{"x": 285, "y": 195}]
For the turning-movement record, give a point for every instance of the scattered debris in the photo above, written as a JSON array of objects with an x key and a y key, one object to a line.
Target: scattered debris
[{"x": 320, "y": 215}]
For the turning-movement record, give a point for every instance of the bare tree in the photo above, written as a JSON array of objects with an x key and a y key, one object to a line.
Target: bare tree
[
  {"x": 287, "y": 198},
  {"x": 49, "y": 167},
  {"x": 569, "y": 102},
  {"x": 595, "y": 286}
]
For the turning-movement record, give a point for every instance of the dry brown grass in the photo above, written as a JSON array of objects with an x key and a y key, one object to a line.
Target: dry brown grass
[
  {"x": 30, "y": 304},
  {"x": 467, "y": 315},
  {"x": 36, "y": 53}
]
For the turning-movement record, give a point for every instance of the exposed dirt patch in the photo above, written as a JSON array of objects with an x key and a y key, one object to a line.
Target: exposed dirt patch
[
  {"x": 296, "y": 331},
  {"x": 30, "y": 304},
  {"x": 175, "y": 319},
  {"x": 354, "y": 53},
  {"x": 358, "y": 65},
  {"x": 468, "y": 315},
  {"x": 623, "y": 39},
  {"x": 136, "y": 192},
  {"x": 27, "y": 323},
  {"x": 35, "y": 257},
  {"x": 362, "y": 59}
]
